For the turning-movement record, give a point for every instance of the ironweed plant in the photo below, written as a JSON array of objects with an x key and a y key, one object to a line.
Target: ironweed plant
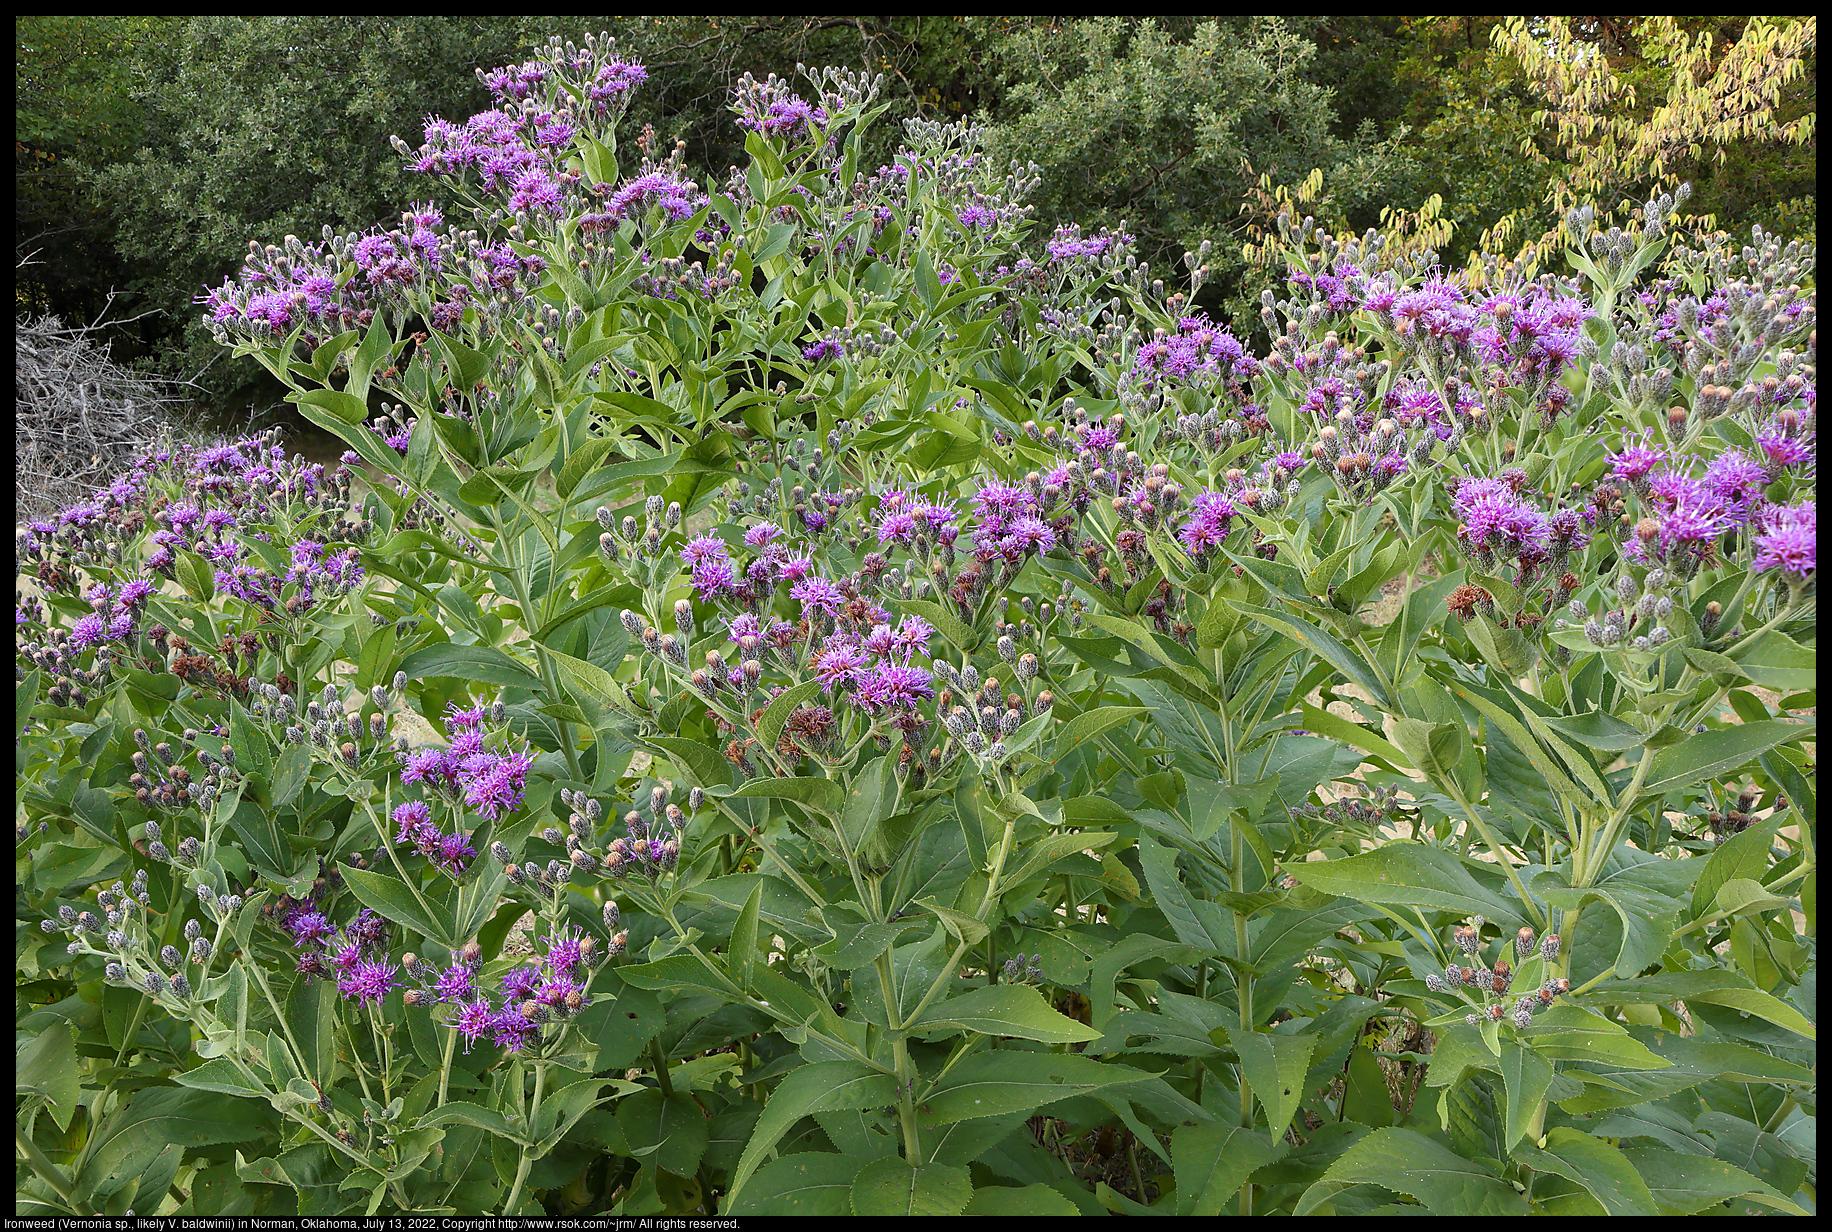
[{"x": 809, "y": 698}]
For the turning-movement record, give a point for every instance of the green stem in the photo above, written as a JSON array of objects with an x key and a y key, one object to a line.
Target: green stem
[
  {"x": 661, "y": 1069},
  {"x": 534, "y": 1112},
  {"x": 445, "y": 1066},
  {"x": 50, "y": 1172}
]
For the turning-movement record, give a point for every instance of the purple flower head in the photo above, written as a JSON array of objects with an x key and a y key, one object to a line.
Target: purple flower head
[
  {"x": 456, "y": 983},
  {"x": 761, "y": 534},
  {"x": 893, "y": 686},
  {"x": 310, "y": 928},
  {"x": 554, "y": 992},
  {"x": 413, "y": 818},
  {"x": 521, "y": 981},
  {"x": 1736, "y": 479},
  {"x": 472, "y": 1020},
  {"x": 497, "y": 789},
  {"x": 817, "y": 594},
  {"x": 703, "y": 548},
  {"x": 563, "y": 955},
  {"x": 511, "y": 1030},
  {"x": 1637, "y": 460},
  {"x": 1787, "y": 541},
  {"x": 898, "y": 526},
  {"x": 463, "y": 718},
  {"x": 369, "y": 982},
  {"x": 714, "y": 578},
  {"x": 453, "y": 853},
  {"x": 839, "y": 661}
]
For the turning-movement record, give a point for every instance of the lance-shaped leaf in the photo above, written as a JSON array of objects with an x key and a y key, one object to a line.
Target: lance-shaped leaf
[
  {"x": 1411, "y": 874},
  {"x": 1685, "y": 1184},
  {"x": 1410, "y": 1163},
  {"x": 1003, "y": 1009},
  {"x": 1713, "y": 754},
  {"x": 1275, "y": 1065},
  {"x": 890, "y": 1186},
  {"x": 1605, "y": 1172},
  {"x": 1325, "y": 645},
  {"x": 822, "y": 1086}
]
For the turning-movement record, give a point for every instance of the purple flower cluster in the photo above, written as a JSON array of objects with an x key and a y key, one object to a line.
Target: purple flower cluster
[
  {"x": 1068, "y": 244},
  {"x": 1335, "y": 290},
  {"x": 1785, "y": 540},
  {"x": 528, "y": 996},
  {"x": 450, "y": 853},
  {"x": 485, "y": 780},
  {"x": 1498, "y": 525},
  {"x": 1198, "y": 350},
  {"x": 771, "y": 108},
  {"x": 678, "y": 198},
  {"x": 356, "y": 956}
]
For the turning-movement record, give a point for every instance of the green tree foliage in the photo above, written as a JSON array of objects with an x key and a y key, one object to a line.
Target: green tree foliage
[
  {"x": 273, "y": 125},
  {"x": 72, "y": 105},
  {"x": 1165, "y": 124}
]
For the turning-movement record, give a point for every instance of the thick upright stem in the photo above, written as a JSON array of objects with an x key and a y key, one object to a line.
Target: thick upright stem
[
  {"x": 51, "y": 1174},
  {"x": 521, "y": 1169}
]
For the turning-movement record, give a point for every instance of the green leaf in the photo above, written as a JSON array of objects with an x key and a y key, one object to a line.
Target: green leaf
[
  {"x": 129, "y": 1141},
  {"x": 1001, "y": 1082},
  {"x": 1006, "y": 1010},
  {"x": 1778, "y": 662},
  {"x": 1325, "y": 645},
  {"x": 1015, "y": 1202},
  {"x": 742, "y": 952},
  {"x": 808, "y": 1183},
  {"x": 1276, "y": 1066},
  {"x": 823, "y": 796},
  {"x": 1717, "y": 987},
  {"x": 1052, "y": 848},
  {"x": 1410, "y": 1163},
  {"x": 1526, "y": 1075},
  {"x": 1742, "y": 855},
  {"x": 704, "y": 765},
  {"x": 1213, "y": 1160},
  {"x": 769, "y": 723},
  {"x": 1091, "y": 723},
  {"x": 471, "y": 664},
  {"x": 1685, "y": 1184},
  {"x": 581, "y": 462},
  {"x": 672, "y": 1124},
  {"x": 1716, "y": 753},
  {"x": 1600, "y": 1168},
  {"x": 892, "y": 1187},
  {"x": 48, "y": 1066},
  {"x": 396, "y": 901},
  {"x": 969, "y": 929},
  {"x": 1570, "y": 1033},
  {"x": 819, "y": 1087},
  {"x": 1410, "y": 874},
  {"x": 220, "y": 1074},
  {"x": 487, "y": 1119}
]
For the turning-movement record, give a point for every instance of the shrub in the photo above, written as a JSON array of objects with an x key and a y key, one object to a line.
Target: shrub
[{"x": 934, "y": 698}]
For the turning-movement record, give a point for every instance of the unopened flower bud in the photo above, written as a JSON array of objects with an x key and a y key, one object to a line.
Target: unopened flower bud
[
  {"x": 1523, "y": 941},
  {"x": 170, "y": 956},
  {"x": 1548, "y": 947},
  {"x": 610, "y": 916}
]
